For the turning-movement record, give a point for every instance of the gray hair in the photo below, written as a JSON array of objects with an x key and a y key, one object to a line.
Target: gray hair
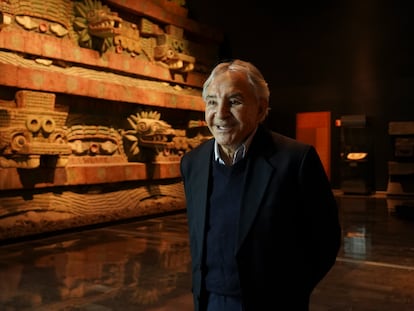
[{"x": 254, "y": 77}]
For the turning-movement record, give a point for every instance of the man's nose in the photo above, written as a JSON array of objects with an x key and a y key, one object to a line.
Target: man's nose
[{"x": 223, "y": 109}]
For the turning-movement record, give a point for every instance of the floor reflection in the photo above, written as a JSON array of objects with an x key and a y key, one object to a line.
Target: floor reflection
[
  {"x": 375, "y": 267},
  {"x": 373, "y": 231},
  {"x": 145, "y": 265},
  {"x": 128, "y": 267}
]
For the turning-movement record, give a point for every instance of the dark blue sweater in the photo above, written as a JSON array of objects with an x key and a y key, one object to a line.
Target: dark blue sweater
[{"x": 224, "y": 209}]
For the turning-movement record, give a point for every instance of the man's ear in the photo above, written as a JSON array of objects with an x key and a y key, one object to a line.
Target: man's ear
[{"x": 263, "y": 109}]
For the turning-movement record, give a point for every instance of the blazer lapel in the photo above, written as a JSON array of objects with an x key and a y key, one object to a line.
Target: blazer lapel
[
  {"x": 259, "y": 172},
  {"x": 201, "y": 185}
]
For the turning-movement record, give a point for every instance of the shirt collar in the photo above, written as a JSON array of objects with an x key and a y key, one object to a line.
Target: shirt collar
[{"x": 240, "y": 152}]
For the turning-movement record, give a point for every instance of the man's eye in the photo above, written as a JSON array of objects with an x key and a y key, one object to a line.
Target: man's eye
[
  {"x": 211, "y": 103},
  {"x": 235, "y": 102}
]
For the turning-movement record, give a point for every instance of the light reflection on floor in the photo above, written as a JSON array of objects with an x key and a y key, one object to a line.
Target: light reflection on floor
[
  {"x": 132, "y": 266},
  {"x": 145, "y": 266}
]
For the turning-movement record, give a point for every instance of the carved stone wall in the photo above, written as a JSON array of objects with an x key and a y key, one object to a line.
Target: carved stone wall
[{"x": 98, "y": 102}]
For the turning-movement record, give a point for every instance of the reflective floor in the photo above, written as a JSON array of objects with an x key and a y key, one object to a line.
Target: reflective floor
[{"x": 144, "y": 265}]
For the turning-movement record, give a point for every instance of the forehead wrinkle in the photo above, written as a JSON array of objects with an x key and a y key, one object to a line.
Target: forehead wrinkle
[
  {"x": 236, "y": 94},
  {"x": 209, "y": 96}
]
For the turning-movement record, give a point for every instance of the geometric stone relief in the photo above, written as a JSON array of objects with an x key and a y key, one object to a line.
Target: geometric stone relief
[
  {"x": 161, "y": 141},
  {"x": 31, "y": 128},
  {"x": 94, "y": 25},
  {"x": 99, "y": 100},
  {"x": 97, "y": 27},
  {"x": 63, "y": 209}
]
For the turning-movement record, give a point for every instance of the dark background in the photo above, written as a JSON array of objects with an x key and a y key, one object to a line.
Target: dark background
[{"x": 349, "y": 57}]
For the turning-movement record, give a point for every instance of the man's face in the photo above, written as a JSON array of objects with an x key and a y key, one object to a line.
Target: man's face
[{"x": 232, "y": 109}]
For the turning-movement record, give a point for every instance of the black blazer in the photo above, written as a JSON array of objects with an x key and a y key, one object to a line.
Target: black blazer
[{"x": 289, "y": 232}]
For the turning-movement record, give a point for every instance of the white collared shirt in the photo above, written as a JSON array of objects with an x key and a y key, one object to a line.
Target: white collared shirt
[{"x": 240, "y": 152}]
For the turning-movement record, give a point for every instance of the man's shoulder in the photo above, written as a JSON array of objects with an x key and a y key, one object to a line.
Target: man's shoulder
[
  {"x": 200, "y": 150},
  {"x": 282, "y": 141}
]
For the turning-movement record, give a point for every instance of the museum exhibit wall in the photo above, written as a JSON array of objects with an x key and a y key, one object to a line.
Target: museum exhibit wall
[{"x": 98, "y": 102}]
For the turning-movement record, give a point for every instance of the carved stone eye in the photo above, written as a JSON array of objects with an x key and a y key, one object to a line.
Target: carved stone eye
[
  {"x": 94, "y": 148},
  {"x": 18, "y": 142},
  {"x": 142, "y": 127},
  {"x": 33, "y": 124},
  {"x": 48, "y": 125}
]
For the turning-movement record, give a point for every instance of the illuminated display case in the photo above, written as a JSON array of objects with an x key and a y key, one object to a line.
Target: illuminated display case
[{"x": 356, "y": 157}]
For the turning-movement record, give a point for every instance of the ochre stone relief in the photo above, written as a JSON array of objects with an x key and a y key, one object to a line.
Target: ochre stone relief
[
  {"x": 98, "y": 102},
  {"x": 161, "y": 142},
  {"x": 31, "y": 128},
  {"x": 80, "y": 206},
  {"x": 94, "y": 25}
]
